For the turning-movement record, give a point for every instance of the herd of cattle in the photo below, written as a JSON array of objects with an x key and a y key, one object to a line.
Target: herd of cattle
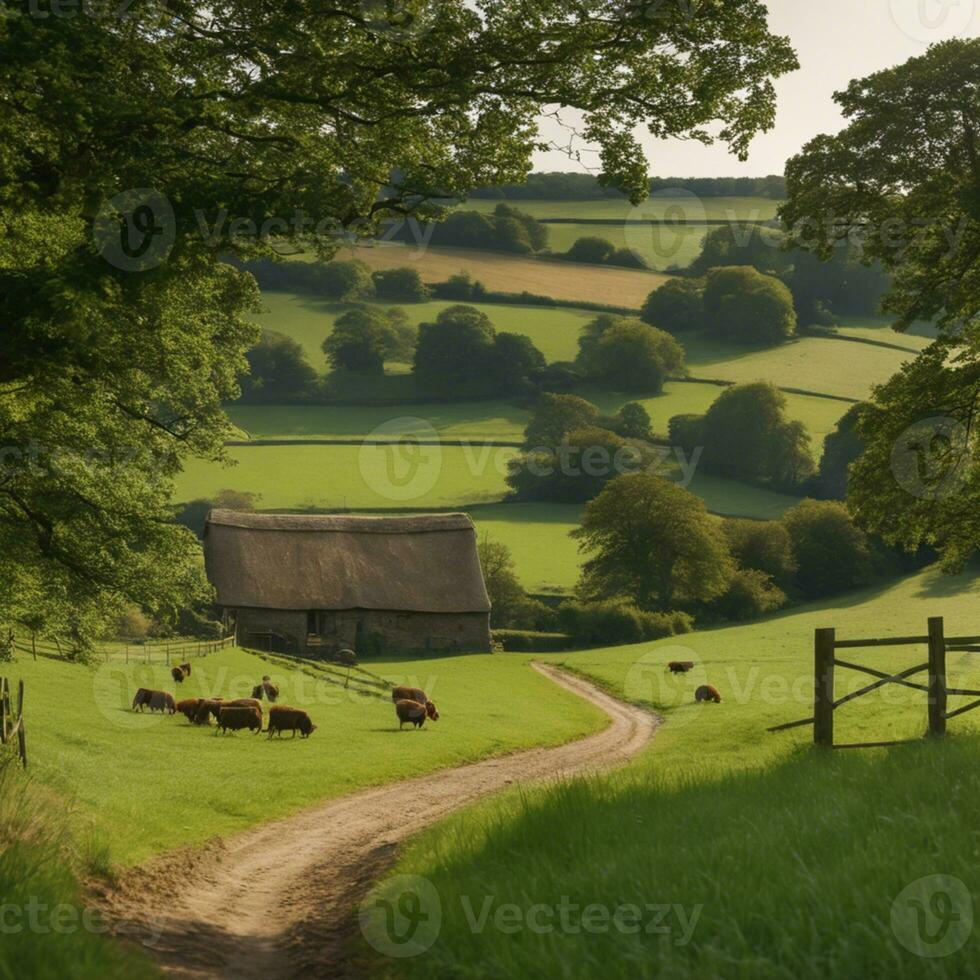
[
  {"x": 411, "y": 705},
  {"x": 705, "y": 692}
]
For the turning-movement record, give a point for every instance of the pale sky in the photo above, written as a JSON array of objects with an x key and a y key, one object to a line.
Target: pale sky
[{"x": 836, "y": 40}]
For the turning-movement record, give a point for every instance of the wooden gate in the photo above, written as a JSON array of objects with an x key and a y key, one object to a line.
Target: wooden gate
[
  {"x": 825, "y": 660},
  {"x": 11, "y": 725}
]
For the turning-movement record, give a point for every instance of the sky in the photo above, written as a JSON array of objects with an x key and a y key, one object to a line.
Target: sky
[{"x": 836, "y": 41}]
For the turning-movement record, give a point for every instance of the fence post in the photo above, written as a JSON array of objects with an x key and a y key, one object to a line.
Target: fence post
[
  {"x": 823, "y": 686},
  {"x": 3, "y": 710},
  {"x": 21, "y": 731},
  {"x": 937, "y": 676}
]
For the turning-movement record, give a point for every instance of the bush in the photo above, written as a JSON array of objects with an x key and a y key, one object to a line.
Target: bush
[
  {"x": 831, "y": 552},
  {"x": 555, "y": 416},
  {"x": 515, "y": 360},
  {"x": 454, "y": 350},
  {"x": 279, "y": 371},
  {"x": 402, "y": 285},
  {"x": 462, "y": 288},
  {"x": 751, "y": 594},
  {"x": 840, "y": 448},
  {"x": 343, "y": 281},
  {"x": 686, "y": 431},
  {"x": 677, "y": 306},
  {"x": 763, "y": 546},
  {"x": 747, "y": 307},
  {"x": 531, "y": 641},
  {"x": 632, "y": 421},
  {"x": 510, "y": 606},
  {"x": 591, "y": 249},
  {"x": 614, "y": 623},
  {"x": 628, "y": 355}
]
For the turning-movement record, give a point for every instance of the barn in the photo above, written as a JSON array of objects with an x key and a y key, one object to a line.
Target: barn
[{"x": 315, "y": 584}]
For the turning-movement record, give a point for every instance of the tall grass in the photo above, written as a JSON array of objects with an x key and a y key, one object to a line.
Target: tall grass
[{"x": 46, "y": 929}]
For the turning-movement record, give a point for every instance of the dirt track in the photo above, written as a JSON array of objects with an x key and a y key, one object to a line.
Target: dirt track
[{"x": 280, "y": 900}]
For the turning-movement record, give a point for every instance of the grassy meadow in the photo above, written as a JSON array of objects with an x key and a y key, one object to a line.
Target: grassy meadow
[
  {"x": 660, "y": 205},
  {"x": 662, "y": 247},
  {"x": 775, "y": 860},
  {"x": 89, "y": 747}
]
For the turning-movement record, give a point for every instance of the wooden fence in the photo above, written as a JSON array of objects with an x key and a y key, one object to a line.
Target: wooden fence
[
  {"x": 163, "y": 651},
  {"x": 11, "y": 725},
  {"x": 825, "y": 660}
]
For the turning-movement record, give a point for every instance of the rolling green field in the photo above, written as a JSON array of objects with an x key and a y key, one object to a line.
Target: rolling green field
[
  {"x": 773, "y": 860},
  {"x": 662, "y": 247},
  {"x": 87, "y": 744},
  {"x": 832, "y": 367},
  {"x": 309, "y": 320},
  {"x": 683, "y": 206},
  {"x": 880, "y": 328}
]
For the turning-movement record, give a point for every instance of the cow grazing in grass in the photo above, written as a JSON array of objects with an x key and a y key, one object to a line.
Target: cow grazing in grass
[
  {"x": 707, "y": 693},
  {"x": 419, "y": 696},
  {"x": 181, "y": 672},
  {"x": 266, "y": 689},
  {"x": 155, "y": 700},
  {"x": 284, "y": 719},
  {"x": 245, "y": 703},
  {"x": 680, "y": 666},
  {"x": 410, "y": 711},
  {"x": 189, "y": 708},
  {"x": 236, "y": 717}
]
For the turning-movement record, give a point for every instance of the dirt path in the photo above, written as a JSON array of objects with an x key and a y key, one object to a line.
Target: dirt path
[{"x": 280, "y": 900}]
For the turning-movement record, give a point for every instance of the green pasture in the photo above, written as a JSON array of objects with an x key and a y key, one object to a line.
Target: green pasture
[
  {"x": 147, "y": 783},
  {"x": 684, "y": 207},
  {"x": 313, "y": 477},
  {"x": 832, "y": 367},
  {"x": 310, "y": 320},
  {"x": 919, "y": 336},
  {"x": 773, "y": 859},
  {"x": 662, "y": 246}
]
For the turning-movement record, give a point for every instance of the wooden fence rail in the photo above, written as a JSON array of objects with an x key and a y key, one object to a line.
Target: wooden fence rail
[
  {"x": 825, "y": 646},
  {"x": 168, "y": 653},
  {"x": 13, "y": 725}
]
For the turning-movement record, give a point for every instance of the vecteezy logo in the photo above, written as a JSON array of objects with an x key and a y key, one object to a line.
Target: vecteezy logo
[
  {"x": 933, "y": 20},
  {"x": 403, "y": 918},
  {"x": 933, "y": 916},
  {"x": 930, "y": 459},
  {"x": 401, "y": 459},
  {"x": 660, "y": 227},
  {"x": 135, "y": 230}
]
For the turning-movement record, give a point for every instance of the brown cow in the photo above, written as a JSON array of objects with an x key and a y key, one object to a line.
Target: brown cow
[
  {"x": 266, "y": 688},
  {"x": 208, "y": 709},
  {"x": 189, "y": 708},
  {"x": 680, "y": 666},
  {"x": 411, "y": 711},
  {"x": 283, "y": 719},
  {"x": 245, "y": 703},
  {"x": 418, "y": 695},
  {"x": 236, "y": 717},
  {"x": 141, "y": 698},
  {"x": 707, "y": 693},
  {"x": 181, "y": 672},
  {"x": 156, "y": 700}
]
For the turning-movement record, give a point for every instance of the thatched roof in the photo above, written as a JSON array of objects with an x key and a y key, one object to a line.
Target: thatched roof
[{"x": 420, "y": 563}]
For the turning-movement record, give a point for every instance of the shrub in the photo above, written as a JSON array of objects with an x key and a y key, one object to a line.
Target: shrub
[
  {"x": 360, "y": 341},
  {"x": 751, "y": 594},
  {"x": 686, "y": 431},
  {"x": 592, "y": 249},
  {"x": 511, "y": 606},
  {"x": 632, "y": 421},
  {"x": 831, "y": 552},
  {"x": 515, "y": 360},
  {"x": 455, "y": 349},
  {"x": 343, "y": 281},
  {"x": 461, "y": 287},
  {"x": 555, "y": 416},
  {"x": 629, "y": 355},
  {"x": 627, "y": 259},
  {"x": 840, "y": 448},
  {"x": 402, "y": 285},
  {"x": 763, "y": 546},
  {"x": 747, "y": 307},
  {"x": 279, "y": 371},
  {"x": 614, "y": 622},
  {"x": 677, "y": 306}
]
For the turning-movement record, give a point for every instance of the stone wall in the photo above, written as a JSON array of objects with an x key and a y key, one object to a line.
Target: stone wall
[{"x": 372, "y": 632}]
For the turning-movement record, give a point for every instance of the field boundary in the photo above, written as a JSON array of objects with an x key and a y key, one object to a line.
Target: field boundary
[{"x": 825, "y": 645}]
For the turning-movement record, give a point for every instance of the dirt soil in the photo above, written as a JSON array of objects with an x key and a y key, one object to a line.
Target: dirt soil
[{"x": 280, "y": 900}]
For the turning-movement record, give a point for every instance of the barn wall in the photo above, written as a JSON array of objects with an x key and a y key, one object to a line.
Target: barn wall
[{"x": 373, "y": 631}]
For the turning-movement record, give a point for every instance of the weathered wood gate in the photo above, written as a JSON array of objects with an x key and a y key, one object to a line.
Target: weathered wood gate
[
  {"x": 825, "y": 647},
  {"x": 10, "y": 725}
]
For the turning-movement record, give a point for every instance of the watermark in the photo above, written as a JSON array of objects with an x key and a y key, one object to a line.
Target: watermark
[
  {"x": 650, "y": 679},
  {"x": 405, "y": 917},
  {"x": 135, "y": 230},
  {"x": 933, "y": 916},
  {"x": 661, "y": 227},
  {"x": 71, "y": 9},
  {"x": 37, "y": 918},
  {"x": 931, "y": 459},
  {"x": 929, "y": 21},
  {"x": 401, "y": 459}
]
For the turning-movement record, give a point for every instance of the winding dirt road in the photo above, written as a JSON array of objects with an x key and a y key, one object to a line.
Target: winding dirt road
[{"x": 280, "y": 900}]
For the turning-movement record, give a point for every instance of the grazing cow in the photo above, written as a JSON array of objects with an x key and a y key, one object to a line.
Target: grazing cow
[
  {"x": 208, "y": 709},
  {"x": 680, "y": 666},
  {"x": 236, "y": 717},
  {"x": 189, "y": 708},
  {"x": 418, "y": 695},
  {"x": 267, "y": 688},
  {"x": 181, "y": 672},
  {"x": 411, "y": 711},
  {"x": 707, "y": 693},
  {"x": 156, "y": 700},
  {"x": 283, "y": 719},
  {"x": 245, "y": 703}
]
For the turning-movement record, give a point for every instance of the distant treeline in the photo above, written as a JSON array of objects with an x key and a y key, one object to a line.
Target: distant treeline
[{"x": 586, "y": 187}]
